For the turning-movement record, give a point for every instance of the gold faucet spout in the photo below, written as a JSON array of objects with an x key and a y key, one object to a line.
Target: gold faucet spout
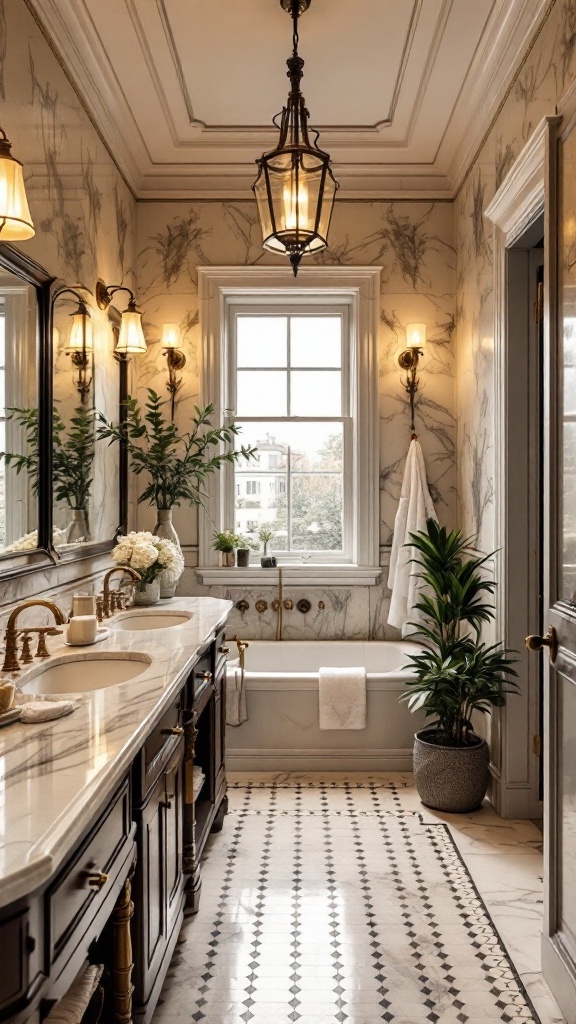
[
  {"x": 11, "y": 635},
  {"x": 125, "y": 570}
]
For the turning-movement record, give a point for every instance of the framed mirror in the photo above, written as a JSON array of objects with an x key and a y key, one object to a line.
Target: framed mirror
[
  {"x": 25, "y": 390},
  {"x": 63, "y": 492}
]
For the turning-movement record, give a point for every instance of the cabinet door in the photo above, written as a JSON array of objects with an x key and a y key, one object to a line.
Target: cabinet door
[{"x": 174, "y": 810}]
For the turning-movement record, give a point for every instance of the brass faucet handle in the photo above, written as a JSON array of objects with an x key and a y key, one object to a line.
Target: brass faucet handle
[
  {"x": 42, "y": 651},
  {"x": 288, "y": 604},
  {"x": 100, "y": 607},
  {"x": 26, "y": 657}
]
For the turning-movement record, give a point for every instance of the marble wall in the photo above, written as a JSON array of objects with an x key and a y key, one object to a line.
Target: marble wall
[
  {"x": 413, "y": 243},
  {"x": 545, "y": 74},
  {"x": 83, "y": 212}
]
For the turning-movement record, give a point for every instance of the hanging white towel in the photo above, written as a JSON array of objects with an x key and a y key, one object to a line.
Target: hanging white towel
[
  {"x": 415, "y": 508},
  {"x": 342, "y": 698},
  {"x": 236, "y": 710}
]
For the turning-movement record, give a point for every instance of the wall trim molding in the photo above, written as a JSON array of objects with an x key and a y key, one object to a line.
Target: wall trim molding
[{"x": 308, "y": 682}]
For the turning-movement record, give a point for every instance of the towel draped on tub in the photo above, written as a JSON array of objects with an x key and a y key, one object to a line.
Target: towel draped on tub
[{"x": 342, "y": 698}]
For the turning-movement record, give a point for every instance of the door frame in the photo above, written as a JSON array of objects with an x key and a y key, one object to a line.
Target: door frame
[{"x": 520, "y": 200}]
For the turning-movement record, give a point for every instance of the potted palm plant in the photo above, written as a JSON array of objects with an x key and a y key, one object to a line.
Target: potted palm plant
[
  {"x": 175, "y": 463},
  {"x": 456, "y": 675}
]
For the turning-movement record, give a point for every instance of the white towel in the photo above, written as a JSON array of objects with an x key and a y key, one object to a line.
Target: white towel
[
  {"x": 236, "y": 711},
  {"x": 415, "y": 508},
  {"x": 72, "y": 1006},
  {"x": 342, "y": 698}
]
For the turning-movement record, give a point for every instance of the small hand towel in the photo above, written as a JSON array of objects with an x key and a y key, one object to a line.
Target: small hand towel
[
  {"x": 73, "y": 1005},
  {"x": 342, "y": 698},
  {"x": 236, "y": 710},
  {"x": 46, "y": 710}
]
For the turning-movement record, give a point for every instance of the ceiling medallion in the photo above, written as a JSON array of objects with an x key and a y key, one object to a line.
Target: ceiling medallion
[{"x": 295, "y": 188}]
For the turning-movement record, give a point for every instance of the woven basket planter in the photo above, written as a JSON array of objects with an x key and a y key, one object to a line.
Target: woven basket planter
[{"x": 451, "y": 779}]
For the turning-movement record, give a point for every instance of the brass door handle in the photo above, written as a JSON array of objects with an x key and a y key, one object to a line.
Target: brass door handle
[
  {"x": 97, "y": 880},
  {"x": 536, "y": 643},
  {"x": 177, "y": 730}
]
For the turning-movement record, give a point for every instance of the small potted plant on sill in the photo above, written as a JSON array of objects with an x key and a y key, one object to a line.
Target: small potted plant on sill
[
  {"x": 226, "y": 542},
  {"x": 455, "y": 675},
  {"x": 177, "y": 464},
  {"x": 243, "y": 548},
  {"x": 265, "y": 535}
]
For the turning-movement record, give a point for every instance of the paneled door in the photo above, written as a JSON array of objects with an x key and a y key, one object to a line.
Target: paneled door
[{"x": 559, "y": 932}]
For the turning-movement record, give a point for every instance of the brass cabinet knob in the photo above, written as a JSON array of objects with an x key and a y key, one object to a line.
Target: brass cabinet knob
[
  {"x": 97, "y": 880},
  {"x": 536, "y": 642},
  {"x": 176, "y": 730},
  {"x": 206, "y": 676},
  {"x": 224, "y": 650}
]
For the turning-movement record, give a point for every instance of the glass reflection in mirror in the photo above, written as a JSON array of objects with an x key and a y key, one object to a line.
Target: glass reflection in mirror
[{"x": 18, "y": 391}]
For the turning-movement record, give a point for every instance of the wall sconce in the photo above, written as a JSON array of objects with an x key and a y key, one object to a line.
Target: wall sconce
[
  {"x": 408, "y": 360},
  {"x": 131, "y": 340},
  {"x": 15, "y": 220},
  {"x": 171, "y": 341},
  {"x": 80, "y": 346}
]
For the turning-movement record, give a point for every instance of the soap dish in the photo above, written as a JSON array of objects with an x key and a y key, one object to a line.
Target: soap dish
[
  {"x": 10, "y": 716},
  {"x": 102, "y": 634}
]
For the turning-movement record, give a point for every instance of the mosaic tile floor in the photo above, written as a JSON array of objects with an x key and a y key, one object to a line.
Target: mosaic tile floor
[{"x": 331, "y": 899}]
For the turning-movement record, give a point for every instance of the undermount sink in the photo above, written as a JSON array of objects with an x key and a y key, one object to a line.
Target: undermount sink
[
  {"x": 86, "y": 673},
  {"x": 139, "y": 620}
]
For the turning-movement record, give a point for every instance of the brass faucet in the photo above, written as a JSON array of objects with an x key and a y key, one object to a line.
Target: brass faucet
[
  {"x": 11, "y": 663},
  {"x": 109, "y": 600}
]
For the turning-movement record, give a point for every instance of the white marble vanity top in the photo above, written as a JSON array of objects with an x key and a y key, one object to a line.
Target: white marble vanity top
[{"x": 54, "y": 777}]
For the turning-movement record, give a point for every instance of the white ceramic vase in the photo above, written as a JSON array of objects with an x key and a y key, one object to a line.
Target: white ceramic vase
[{"x": 165, "y": 528}]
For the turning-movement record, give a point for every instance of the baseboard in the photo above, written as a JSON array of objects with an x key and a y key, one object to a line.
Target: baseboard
[
  {"x": 517, "y": 801},
  {"x": 337, "y": 760}
]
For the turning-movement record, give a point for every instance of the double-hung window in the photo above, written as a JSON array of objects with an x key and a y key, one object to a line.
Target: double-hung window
[
  {"x": 295, "y": 365},
  {"x": 289, "y": 390}
]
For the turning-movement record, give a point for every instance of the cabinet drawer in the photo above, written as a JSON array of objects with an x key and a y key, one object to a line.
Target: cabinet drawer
[
  {"x": 200, "y": 677},
  {"x": 158, "y": 749},
  {"x": 81, "y": 888}
]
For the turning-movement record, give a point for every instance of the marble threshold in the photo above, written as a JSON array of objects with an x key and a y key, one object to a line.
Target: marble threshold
[
  {"x": 54, "y": 776},
  {"x": 503, "y": 856}
]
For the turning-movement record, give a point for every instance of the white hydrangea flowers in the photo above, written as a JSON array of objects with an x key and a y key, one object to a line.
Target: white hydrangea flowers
[{"x": 149, "y": 555}]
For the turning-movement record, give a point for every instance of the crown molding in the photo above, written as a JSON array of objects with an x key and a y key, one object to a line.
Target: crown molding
[{"x": 509, "y": 35}]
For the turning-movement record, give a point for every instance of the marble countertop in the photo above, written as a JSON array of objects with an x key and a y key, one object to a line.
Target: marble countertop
[{"x": 55, "y": 776}]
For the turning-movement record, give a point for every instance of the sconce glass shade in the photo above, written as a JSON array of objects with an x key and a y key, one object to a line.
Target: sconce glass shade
[
  {"x": 416, "y": 336},
  {"x": 15, "y": 220},
  {"x": 171, "y": 336},
  {"x": 76, "y": 340},
  {"x": 131, "y": 340}
]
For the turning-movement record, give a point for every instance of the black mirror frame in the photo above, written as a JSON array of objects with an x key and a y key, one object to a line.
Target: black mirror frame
[{"x": 45, "y": 556}]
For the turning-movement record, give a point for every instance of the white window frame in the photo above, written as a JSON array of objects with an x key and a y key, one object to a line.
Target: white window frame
[{"x": 358, "y": 289}]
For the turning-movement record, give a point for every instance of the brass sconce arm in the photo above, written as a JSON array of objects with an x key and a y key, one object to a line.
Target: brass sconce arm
[
  {"x": 105, "y": 292},
  {"x": 408, "y": 360},
  {"x": 80, "y": 354}
]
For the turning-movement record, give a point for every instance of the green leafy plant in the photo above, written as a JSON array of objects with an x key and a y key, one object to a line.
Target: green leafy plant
[
  {"x": 226, "y": 540},
  {"x": 73, "y": 449},
  {"x": 176, "y": 463},
  {"x": 265, "y": 534},
  {"x": 456, "y": 674}
]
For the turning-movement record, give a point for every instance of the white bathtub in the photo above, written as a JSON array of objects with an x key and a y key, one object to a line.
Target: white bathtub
[{"x": 282, "y": 732}]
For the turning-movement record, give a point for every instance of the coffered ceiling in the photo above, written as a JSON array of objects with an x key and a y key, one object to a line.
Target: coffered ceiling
[{"x": 184, "y": 91}]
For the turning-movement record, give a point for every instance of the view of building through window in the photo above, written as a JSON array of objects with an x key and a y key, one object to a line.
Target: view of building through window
[{"x": 291, "y": 404}]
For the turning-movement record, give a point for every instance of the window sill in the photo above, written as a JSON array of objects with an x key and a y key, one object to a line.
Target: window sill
[{"x": 304, "y": 575}]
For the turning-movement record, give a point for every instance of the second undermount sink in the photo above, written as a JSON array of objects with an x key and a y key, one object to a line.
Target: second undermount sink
[
  {"x": 86, "y": 673},
  {"x": 139, "y": 620}
]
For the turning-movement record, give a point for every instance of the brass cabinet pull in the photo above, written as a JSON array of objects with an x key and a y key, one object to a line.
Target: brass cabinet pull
[
  {"x": 536, "y": 642},
  {"x": 206, "y": 676},
  {"x": 176, "y": 730},
  {"x": 97, "y": 880},
  {"x": 224, "y": 650}
]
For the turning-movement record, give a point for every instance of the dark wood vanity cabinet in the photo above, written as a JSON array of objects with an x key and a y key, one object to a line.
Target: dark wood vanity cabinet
[{"x": 155, "y": 819}]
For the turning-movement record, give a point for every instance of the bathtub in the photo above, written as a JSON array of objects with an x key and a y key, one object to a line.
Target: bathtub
[{"x": 282, "y": 732}]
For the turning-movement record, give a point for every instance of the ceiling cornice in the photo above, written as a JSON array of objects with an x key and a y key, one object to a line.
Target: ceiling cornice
[{"x": 369, "y": 168}]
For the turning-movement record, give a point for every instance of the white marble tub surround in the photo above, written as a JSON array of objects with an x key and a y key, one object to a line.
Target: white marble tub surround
[{"x": 54, "y": 776}]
